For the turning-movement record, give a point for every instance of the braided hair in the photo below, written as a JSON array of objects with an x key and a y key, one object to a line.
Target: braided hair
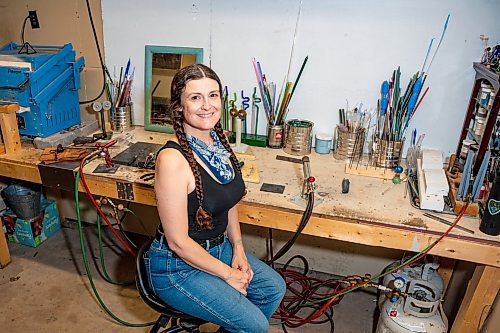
[{"x": 181, "y": 78}]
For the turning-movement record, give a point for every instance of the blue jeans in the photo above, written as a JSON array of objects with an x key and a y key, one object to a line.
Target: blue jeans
[{"x": 209, "y": 297}]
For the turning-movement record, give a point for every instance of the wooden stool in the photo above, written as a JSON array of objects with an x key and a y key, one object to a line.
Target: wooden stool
[{"x": 10, "y": 133}]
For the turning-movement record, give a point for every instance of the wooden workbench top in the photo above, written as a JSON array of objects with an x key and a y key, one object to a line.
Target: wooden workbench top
[{"x": 364, "y": 215}]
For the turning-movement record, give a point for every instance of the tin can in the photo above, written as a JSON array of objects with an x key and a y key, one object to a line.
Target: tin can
[
  {"x": 298, "y": 137},
  {"x": 275, "y": 136}
]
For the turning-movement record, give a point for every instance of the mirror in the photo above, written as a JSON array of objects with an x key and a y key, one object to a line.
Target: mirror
[{"x": 162, "y": 62}]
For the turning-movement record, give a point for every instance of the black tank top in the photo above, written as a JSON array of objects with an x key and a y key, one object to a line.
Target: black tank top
[{"x": 217, "y": 200}]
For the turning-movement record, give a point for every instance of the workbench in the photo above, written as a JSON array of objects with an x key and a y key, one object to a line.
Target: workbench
[{"x": 363, "y": 216}]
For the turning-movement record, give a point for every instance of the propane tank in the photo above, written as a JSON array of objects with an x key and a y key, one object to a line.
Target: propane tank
[
  {"x": 421, "y": 270},
  {"x": 419, "y": 310}
]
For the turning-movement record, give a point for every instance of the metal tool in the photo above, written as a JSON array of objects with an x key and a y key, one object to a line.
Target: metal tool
[
  {"x": 308, "y": 185},
  {"x": 288, "y": 159},
  {"x": 147, "y": 176},
  {"x": 303, "y": 199},
  {"x": 440, "y": 219},
  {"x": 98, "y": 107}
]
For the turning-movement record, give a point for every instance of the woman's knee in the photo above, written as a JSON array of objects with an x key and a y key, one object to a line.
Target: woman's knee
[
  {"x": 279, "y": 287},
  {"x": 252, "y": 320},
  {"x": 255, "y": 324}
]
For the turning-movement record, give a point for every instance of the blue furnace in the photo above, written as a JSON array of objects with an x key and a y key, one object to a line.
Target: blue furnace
[{"x": 45, "y": 85}]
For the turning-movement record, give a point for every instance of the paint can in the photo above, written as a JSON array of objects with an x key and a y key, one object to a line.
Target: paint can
[
  {"x": 298, "y": 137},
  {"x": 323, "y": 143},
  {"x": 275, "y": 136}
]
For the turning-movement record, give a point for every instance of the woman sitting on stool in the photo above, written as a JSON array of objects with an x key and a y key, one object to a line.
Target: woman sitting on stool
[{"x": 197, "y": 263}]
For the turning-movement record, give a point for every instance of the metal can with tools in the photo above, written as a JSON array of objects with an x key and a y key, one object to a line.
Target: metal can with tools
[
  {"x": 121, "y": 118},
  {"x": 387, "y": 153},
  {"x": 298, "y": 137}
]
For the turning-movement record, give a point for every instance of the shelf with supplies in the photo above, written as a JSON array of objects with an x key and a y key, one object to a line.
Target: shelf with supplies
[{"x": 480, "y": 121}]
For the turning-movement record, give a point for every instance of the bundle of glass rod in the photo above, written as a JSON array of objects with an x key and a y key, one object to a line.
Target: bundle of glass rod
[
  {"x": 118, "y": 92},
  {"x": 276, "y": 108},
  {"x": 248, "y": 109},
  {"x": 394, "y": 113}
]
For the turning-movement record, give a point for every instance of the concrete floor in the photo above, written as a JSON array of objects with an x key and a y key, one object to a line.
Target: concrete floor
[{"x": 45, "y": 289}]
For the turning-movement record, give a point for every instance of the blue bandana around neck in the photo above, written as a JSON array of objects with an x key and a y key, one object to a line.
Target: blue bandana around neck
[{"x": 215, "y": 156}]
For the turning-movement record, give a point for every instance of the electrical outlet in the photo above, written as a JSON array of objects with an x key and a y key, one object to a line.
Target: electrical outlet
[{"x": 33, "y": 19}]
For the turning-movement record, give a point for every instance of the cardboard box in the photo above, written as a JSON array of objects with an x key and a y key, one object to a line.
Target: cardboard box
[{"x": 34, "y": 231}]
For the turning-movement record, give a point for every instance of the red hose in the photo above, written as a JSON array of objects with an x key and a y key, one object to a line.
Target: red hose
[
  {"x": 82, "y": 177},
  {"x": 309, "y": 295}
]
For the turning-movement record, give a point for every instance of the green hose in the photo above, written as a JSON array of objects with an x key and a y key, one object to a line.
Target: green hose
[
  {"x": 103, "y": 263},
  {"x": 86, "y": 263}
]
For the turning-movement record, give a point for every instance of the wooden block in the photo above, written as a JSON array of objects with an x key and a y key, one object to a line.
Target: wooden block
[
  {"x": 8, "y": 126},
  {"x": 250, "y": 173},
  {"x": 246, "y": 156},
  {"x": 9, "y": 108},
  {"x": 369, "y": 171},
  {"x": 4, "y": 249}
]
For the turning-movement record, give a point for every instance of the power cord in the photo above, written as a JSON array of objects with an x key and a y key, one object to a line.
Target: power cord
[
  {"x": 22, "y": 30},
  {"x": 103, "y": 66}
]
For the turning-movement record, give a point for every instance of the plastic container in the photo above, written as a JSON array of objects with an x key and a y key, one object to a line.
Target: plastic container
[{"x": 323, "y": 143}]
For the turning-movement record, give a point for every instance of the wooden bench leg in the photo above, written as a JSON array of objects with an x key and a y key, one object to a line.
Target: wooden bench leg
[
  {"x": 445, "y": 270},
  {"x": 4, "y": 249},
  {"x": 480, "y": 295},
  {"x": 8, "y": 126}
]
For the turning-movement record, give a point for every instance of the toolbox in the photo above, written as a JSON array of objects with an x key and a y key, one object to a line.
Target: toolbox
[{"x": 45, "y": 85}]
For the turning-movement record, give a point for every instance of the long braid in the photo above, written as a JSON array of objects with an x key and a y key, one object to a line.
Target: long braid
[
  {"x": 220, "y": 133},
  {"x": 202, "y": 217}
]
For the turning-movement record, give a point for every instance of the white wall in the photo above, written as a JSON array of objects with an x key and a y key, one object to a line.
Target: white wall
[{"x": 352, "y": 47}]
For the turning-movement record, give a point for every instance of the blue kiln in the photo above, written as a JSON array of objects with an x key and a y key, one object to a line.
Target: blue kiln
[{"x": 45, "y": 85}]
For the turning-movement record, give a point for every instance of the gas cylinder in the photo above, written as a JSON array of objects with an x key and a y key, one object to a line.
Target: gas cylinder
[
  {"x": 420, "y": 270},
  {"x": 418, "y": 310}
]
